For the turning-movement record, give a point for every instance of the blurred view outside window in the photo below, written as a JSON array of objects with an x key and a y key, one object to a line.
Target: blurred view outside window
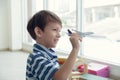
[{"x": 104, "y": 21}]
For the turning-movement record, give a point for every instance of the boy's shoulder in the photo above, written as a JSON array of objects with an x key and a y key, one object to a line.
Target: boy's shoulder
[{"x": 35, "y": 54}]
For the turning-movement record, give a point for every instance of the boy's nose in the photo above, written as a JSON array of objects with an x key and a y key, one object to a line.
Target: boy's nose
[{"x": 58, "y": 34}]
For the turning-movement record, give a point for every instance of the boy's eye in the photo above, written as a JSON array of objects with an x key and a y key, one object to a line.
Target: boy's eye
[{"x": 55, "y": 29}]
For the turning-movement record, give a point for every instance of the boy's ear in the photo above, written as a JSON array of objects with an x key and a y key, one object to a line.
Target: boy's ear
[{"x": 38, "y": 31}]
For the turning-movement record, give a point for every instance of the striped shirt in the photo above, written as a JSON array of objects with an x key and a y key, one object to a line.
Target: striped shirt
[{"x": 41, "y": 64}]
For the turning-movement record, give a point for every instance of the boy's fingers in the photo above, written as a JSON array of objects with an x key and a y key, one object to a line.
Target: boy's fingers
[{"x": 80, "y": 39}]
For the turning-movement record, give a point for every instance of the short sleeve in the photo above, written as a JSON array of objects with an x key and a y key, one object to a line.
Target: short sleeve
[{"x": 44, "y": 68}]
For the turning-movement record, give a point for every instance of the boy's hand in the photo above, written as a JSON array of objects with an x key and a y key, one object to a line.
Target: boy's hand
[{"x": 74, "y": 39}]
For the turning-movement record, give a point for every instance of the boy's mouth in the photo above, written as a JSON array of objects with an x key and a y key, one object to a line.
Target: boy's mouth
[{"x": 56, "y": 40}]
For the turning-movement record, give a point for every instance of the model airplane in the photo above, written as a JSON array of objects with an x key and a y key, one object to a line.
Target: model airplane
[{"x": 86, "y": 34}]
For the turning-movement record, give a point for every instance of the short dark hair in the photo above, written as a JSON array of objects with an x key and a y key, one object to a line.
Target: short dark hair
[{"x": 41, "y": 19}]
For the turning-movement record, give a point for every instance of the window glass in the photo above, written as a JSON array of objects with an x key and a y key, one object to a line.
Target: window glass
[
  {"x": 104, "y": 22},
  {"x": 119, "y": 10},
  {"x": 39, "y": 5}
]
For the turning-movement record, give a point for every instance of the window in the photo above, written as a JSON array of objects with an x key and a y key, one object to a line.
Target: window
[{"x": 104, "y": 21}]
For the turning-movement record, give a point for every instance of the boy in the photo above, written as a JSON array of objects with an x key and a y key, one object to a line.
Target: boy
[{"x": 44, "y": 27}]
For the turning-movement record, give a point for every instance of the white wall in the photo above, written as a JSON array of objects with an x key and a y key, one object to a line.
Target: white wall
[
  {"x": 4, "y": 24},
  {"x": 10, "y": 25},
  {"x": 15, "y": 22}
]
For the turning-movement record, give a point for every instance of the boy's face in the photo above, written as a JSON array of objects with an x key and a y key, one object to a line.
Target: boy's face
[{"x": 51, "y": 35}]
